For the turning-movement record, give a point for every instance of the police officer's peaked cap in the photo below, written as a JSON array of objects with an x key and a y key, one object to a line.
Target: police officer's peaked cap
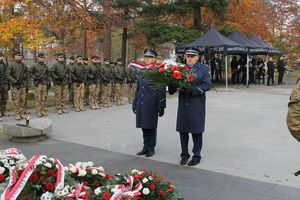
[
  {"x": 150, "y": 53},
  {"x": 72, "y": 58},
  {"x": 1, "y": 54},
  {"x": 191, "y": 51},
  {"x": 17, "y": 53},
  {"x": 41, "y": 55}
]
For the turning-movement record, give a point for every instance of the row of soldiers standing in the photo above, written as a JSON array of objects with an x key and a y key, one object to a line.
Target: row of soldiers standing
[{"x": 78, "y": 80}]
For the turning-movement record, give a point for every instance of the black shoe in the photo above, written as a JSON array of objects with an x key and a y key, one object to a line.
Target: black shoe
[
  {"x": 149, "y": 153},
  {"x": 143, "y": 152},
  {"x": 183, "y": 161},
  {"x": 193, "y": 162}
]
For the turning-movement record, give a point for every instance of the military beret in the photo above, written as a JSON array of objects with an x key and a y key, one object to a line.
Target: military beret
[
  {"x": 150, "y": 53},
  {"x": 79, "y": 56},
  {"x": 191, "y": 51},
  {"x": 17, "y": 53},
  {"x": 119, "y": 60},
  {"x": 94, "y": 57},
  {"x": 72, "y": 58},
  {"x": 41, "y": 55},
  {"x": 106, "y": 59},
  {"x": 1, "y": 54},
  {"x": 85, "y": 59},
  {"x": 59, "y": 54}
]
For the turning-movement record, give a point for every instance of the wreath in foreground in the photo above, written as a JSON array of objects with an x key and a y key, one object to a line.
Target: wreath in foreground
[{"x": 47, "y": 179}]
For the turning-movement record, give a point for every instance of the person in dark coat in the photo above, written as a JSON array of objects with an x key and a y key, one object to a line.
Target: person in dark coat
[
  {"x": 280, "y": 69},
  {"x": 270, "y": 72},
  {"x": 148, "y": 104},
  {"x": 234, "y": 68},
  {"x": 191, "y": 108}
]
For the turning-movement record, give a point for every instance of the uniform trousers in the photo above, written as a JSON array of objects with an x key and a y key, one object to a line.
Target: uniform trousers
[
  {"x": 149, "y": 136},
  {"x": 197, "y": 140}
]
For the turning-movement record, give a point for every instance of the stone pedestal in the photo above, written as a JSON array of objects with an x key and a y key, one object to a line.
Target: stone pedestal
[{"x": 37, "y": 130}]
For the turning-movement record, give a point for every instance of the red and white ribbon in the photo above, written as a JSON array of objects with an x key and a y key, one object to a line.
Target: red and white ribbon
[
  {"x": 13, "y": 193},
  {"x": 60, "y": 177},
  {"x": 78, "y": 192},
  {"x": 137, "y": 64}
]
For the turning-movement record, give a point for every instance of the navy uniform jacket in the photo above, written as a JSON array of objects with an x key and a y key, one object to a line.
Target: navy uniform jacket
[
  {"x": 147, "y": 103},
  {"x": 191, "y": 108}
]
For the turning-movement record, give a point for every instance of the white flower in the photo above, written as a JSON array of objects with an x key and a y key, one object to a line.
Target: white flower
[
  {"x": 82, "y": 172},
  {"x": 145, "y": 180},
  {"x": 84, "y": 165},
  {"x": 134, "y": 171},
  {"x": 47, "y": 196},
  {"x": 100, "y": 168},
  {"x": 150, "y": 178},
  {"x": 90, "y": 164},
  {"x": 52, "y": 160},
  {"x": 94, "y": 172},
  {"x": 97, "y": 191},
  {"x": 2, "y": 169},
  {"x": 146, "y": 191},
  {"x": 73, "y": 169},
  {"x": 101, "y": 174},
  {"x": 78, "y": 164},
  {"x": 5, "y": 161},
  {"x": 48, "y": 165},
  {"x": 11, "y": 162},
  {"x": 6, "y": 165},
  {"x": 66, "y": 169}
]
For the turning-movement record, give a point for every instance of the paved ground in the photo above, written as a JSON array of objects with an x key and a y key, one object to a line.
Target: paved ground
[{"x": 248, "y": 152}]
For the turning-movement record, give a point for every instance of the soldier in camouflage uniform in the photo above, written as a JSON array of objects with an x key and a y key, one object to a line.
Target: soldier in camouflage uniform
[
  {"x": 78, "y": 78},
  {"x": 92, "y": 81},
  {"x": 113, "y": 83},
  {"x": 106, "y": 73},
  {"x": 131, "y": 76},
  {"x": 119, "y": 74},
  {"x": 71, "y": 89},
  {"x": 4, "y": 86},
  {"x": 99, "y": 81},
  {"x": 40, "y": 76},
  {"x": 60, "y": 77},
  {"x": 17, "y": 73},
  {"x": 86, "y": 89},
  {"x": 28, "y": 85}
]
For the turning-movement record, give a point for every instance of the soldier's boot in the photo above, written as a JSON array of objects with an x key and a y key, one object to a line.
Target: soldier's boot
[
  {"x": 38, "y": 114},
  {"x": 44, "y": 113},
  {"x": 105, "y": 106},
  {"x": 3, "y": 112},
  {"x": 60, "y": 112},
  {"x": 23, "y": 116},
  {"x": 18, "y": 117},
  {"x": 65, "y": 110},
  {"x": 82, "y": 108},
  {"x": 97, "y": 106}
]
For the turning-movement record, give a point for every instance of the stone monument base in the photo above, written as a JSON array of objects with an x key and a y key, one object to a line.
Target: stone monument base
[{"x": 37, "y": 130}]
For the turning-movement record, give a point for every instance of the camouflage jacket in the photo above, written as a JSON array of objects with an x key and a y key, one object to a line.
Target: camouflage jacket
[
  {"x": 40, "y": 73},
  {"x": 78, "y": 73},
  {"x": 17, "y": 74},
  {"x": 106, "y": 73},
  {"x": 119, "y": 73},
  {"x": 60, "y": 73}
]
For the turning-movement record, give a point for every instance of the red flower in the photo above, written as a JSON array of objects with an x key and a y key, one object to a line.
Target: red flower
[
  {"x": 143, "y": 169},
  {"x": 51, "y": 172},
  {"x": 162, "y": 65},
  {"x": 191, "y": 78},
  {"x": 107, "y": 177},
  {"x": 33, "y": 178},
  {"x": 42, "y": 178},
  {"x": 85, "y": 183},
  {"x": 171, "y": 188},
  {"x": 136, "y": 176},
  {"x": 161, "y": 70},
  {"x": 1, "y": 177},
  {"x": 176, "y": 75},
  {"x": 152, "y": 186},
  {"x": 162, "y": 192},
  {"x": 149, "y": 174},
  {"x": 28, "y": 198},
  {"x": 96, "y": 184},
  {"x": 174, "y": 68},
  {"x": 186, "y": 68},
  {"x": 106, "y": 195},
  {"x": 151, "y": 66},
  {"x": 168, "y": 182},
  {"x": 157, "y": 179},
  {"x": 49, "y": 186}
]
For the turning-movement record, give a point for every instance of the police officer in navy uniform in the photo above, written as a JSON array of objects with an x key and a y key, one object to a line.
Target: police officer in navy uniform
[
  {"x": 148, "y": 104},
  {"x": 191, "y": 108}
]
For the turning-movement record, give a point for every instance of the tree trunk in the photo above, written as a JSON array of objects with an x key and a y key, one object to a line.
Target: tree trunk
[
  {"x": 85, "y": 49},
  {"x": 197, "y": 15},
  {"x": 124, "y": 43},
  {"x": 107, "y": 41}
]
